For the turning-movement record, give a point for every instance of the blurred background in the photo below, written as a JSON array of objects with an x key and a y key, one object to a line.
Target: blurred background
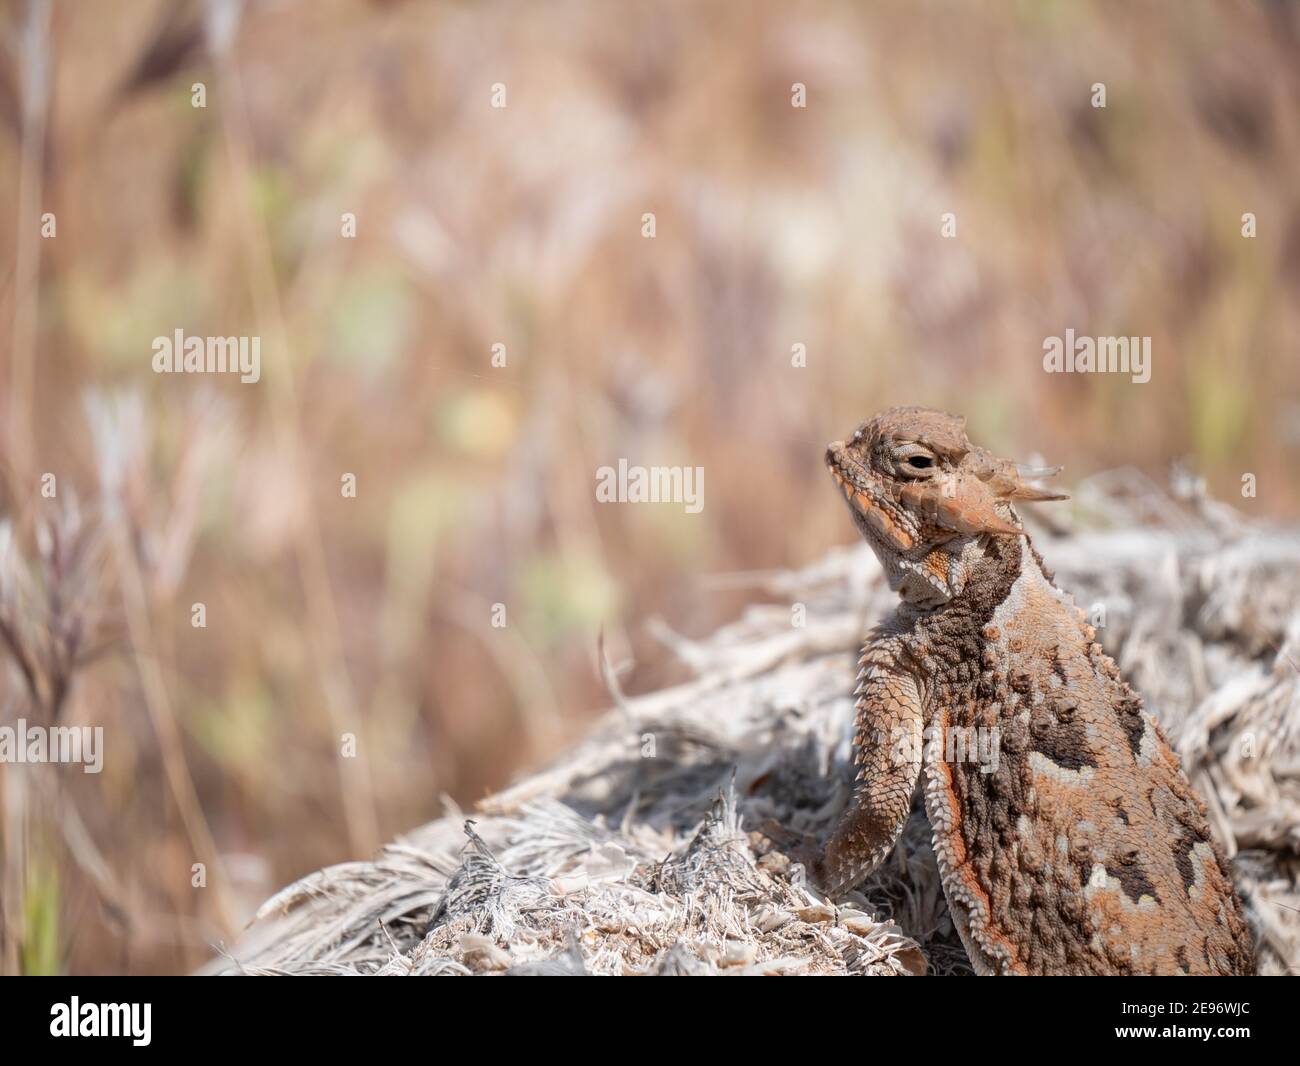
[{"x": 227, "y": 771}]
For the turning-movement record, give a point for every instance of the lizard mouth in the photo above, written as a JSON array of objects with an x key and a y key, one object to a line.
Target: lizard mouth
[
  {"x": 848, "y": 475},
  {"x": 854, "y": 481}
]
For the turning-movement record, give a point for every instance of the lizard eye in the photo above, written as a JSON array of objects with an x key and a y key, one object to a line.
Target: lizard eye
[{"x": 914, "y": 460}]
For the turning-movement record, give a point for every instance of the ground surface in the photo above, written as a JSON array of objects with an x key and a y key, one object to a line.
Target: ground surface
[{"x": 640, "y": 850}]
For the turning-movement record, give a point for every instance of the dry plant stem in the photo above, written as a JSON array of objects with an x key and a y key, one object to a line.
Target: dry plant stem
[
  {"x": 35, "y": 56},
  {"x": 356, "y": 790},
  {"x": 35, "y": 60},
  {"x": 158, "y": 703},
  {"x": 44, "y": 794},
  {"x": 575, "y": 517},
  {"x": 15, "y": 842},
  {"x": 85, "y": 852},
  {"x": 535, "y": 700}
]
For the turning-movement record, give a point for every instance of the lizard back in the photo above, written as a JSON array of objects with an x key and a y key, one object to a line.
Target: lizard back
[{"x": 1085, "y": 850}]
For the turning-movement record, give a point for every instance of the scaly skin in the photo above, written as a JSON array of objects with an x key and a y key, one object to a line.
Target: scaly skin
[{"x": 1074, "y": 844}]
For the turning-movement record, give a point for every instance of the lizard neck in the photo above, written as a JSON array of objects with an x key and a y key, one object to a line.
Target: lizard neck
[{"x": 967, "y": 574}]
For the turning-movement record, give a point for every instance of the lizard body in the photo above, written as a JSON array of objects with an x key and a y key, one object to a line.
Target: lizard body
[{"x": 1068, "y": 839}]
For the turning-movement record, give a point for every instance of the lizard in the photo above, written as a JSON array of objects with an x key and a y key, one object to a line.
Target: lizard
[{"x": 1081, "y": 847}]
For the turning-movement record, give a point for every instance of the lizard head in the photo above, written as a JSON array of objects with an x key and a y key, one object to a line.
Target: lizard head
[{"x": 926, "y": 499}]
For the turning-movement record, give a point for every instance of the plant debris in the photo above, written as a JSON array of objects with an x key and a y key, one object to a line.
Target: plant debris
[{"x": 643, "y": 850}]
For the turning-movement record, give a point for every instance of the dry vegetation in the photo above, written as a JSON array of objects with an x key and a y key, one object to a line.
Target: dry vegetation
[
  {"x": 643, "y": 849},
  {"x": 775, "y": 226}
]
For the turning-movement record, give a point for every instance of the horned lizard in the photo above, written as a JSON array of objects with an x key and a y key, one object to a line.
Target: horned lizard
[{"x": 1080, "y": 848}]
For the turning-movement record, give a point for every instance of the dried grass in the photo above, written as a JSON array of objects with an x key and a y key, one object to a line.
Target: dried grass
[{"x": 637, "y": 852}]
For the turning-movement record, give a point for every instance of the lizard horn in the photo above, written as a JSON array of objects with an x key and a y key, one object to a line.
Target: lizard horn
[
  {"x": 1021, "y": 490},
  {"x": 1033, "y": 494}
]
